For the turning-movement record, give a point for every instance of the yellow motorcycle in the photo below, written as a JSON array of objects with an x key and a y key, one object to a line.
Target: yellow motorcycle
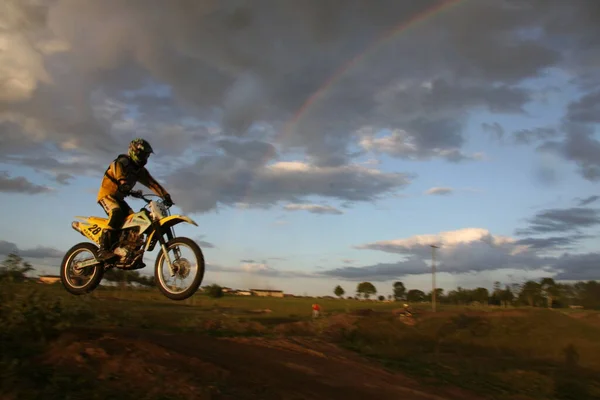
[{"x": 140, "y": 233}]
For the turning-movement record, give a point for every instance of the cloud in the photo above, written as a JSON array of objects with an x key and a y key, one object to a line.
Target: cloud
[
  {"x": 204, "y": 243},
  {"x": 35, "y": 252},
  {"x": 439, "y": 191},
  {"x": 420, "y": 244},
  {"x": 587, "y": 200},
  {"x": 495, "y": 129},
  {"x": 211, "y": 89},
  {"x": 460, "y": 251},
  {"x": 586, "y": 109},
  {"x": 577, "y": 266},
  {"x": 254, "y": 267},
  {"x": 579, "y": 144},
  {"x": 260, "y": 269},
  {"x": 402, "y": 144},
  {"x": 561, "y": 220},
  {"x": 20, "y": 184},
  {"x": 472, "y": 250},
  {"x": 379, "y": 272},
  {"x": 227, "y": 181},
  {"x": 528, "y": 136},
  {"x": 313, "y": 208},
  {"x": 554, "y": 242}
]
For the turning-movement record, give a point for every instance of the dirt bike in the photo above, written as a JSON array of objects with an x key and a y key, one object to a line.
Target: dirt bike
[{"x": 139, "y": 234}]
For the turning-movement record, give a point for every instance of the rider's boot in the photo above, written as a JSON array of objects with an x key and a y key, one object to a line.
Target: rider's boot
[{"x": 106, "y": 241}]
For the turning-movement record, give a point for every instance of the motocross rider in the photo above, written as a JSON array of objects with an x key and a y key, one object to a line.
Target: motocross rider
[{"x": 119, "y": 178}]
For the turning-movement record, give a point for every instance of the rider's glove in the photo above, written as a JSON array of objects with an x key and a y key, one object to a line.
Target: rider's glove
[
  {"x": 124, "y": 188},
  {"x": 167, "y": 200}
]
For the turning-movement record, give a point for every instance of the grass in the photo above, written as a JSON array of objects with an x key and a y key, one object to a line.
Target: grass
[
  {"x": 540, "y": 355},
  {"x": 522, "y": 353}
]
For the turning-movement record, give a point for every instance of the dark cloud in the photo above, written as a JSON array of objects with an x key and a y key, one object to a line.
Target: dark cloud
[
  {"x": 587, "y": 200},
  {"x": 209, "y": 77},
  {"x": 579, "y": 144},
  {"x": 494, "y": 129},
  {"x": 20, "y": 184},
  {"x": 561, "y": 220},
  {"x": 35, "y": 252},
  {"x": 528, "y": 136},
  {"x": 586, "y": 109},
  {"x": 551, "y": 243},
  {"x": 203, "y": 243},
  {"x": 577, "y": 266},
  {"x": 228, "y": 181},
  {"x": 380, "y": 271}
]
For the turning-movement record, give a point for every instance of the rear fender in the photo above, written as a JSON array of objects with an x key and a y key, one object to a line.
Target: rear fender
[
  {"x": 90, "y": 227},
  {"x": 165, "y": 224}
]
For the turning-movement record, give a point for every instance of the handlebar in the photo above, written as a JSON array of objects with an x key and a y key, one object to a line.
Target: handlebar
[{"x": 139, "y": 195}]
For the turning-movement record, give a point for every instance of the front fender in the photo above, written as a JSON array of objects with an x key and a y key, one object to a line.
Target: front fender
[
  {"x": 166, "y": 223},
  {"x": 171, "y": 220}
]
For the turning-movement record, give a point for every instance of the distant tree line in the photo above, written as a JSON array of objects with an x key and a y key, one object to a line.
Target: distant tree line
[
  {"x": 14, "y": 269},
  {"x": 543, "y": 293}
]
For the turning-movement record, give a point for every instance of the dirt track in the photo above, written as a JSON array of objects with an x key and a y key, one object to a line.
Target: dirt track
[{"x": 190, "y": 366}]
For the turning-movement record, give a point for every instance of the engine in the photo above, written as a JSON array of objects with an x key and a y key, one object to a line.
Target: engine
[{"x": 129, "y": 244}]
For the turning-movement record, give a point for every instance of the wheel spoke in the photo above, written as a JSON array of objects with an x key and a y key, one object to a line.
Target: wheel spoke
[{"x": 188, "y": 263}]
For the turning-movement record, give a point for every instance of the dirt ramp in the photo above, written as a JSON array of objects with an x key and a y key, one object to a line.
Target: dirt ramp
[{"x": 199, "y": 367}]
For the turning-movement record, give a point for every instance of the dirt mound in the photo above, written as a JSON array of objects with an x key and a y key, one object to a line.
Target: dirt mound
[
  {"x": 136, "y": 365},
  {"x": 200, "y": 367}
]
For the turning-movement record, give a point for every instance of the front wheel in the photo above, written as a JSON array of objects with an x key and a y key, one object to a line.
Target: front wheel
[
  {"x": 76, "y": 280},
  {"x": 183, "y": 265}
]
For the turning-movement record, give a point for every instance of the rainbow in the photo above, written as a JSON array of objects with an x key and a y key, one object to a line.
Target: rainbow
[{"x": 387, "y": 36}]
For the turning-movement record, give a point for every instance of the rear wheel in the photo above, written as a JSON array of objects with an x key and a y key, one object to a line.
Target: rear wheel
[
  {"x": 184, "y": 264},
  {"x": 80, "y": 281}
]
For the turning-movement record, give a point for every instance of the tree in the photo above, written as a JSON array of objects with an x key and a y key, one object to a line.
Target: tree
[
  {"x": 415, "y": 295},
  {"x": 588, "y": 294},
  {"x": 506, "y": 296},
  {"x": 14, "y": 268},
  {"x": 531, "y": 293},
  {"x": 549, "y": 290},
  {"x": 399, "y": 291},
  {"x": 214, "y": 290},
  {"x": 481, "y": 295},
  {"x": 439, "y": 295},
  {"x": 381, "y": 297},
  {"x": 366, "y": 289},
  {"x": 339, "y": 291},
  {"x": 496, "y": 297}
]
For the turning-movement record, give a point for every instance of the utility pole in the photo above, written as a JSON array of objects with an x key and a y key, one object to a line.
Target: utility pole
[{"x": 433, "y": 247}]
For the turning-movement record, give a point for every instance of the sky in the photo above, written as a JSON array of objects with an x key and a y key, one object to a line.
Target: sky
[{"x": 315, "y": 143}]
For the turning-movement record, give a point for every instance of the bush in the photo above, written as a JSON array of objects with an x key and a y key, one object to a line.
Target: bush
[
  {"x": 28, "y": 320},
  {"x": 214, "y": 290}
]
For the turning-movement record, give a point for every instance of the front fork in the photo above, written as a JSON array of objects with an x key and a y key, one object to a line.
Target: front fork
[{"x": 163, "y": 245}]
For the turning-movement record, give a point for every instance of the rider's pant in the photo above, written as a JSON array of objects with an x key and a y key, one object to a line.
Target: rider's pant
[{"x": 116, "y": 209}]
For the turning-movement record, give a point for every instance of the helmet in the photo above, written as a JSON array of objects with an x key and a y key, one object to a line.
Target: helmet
[{"x": 139, "y": 151}]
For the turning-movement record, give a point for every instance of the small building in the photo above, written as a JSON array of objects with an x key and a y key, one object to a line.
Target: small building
[
  {"x": 243, "y": 293},
  {"x": 48, "y": 279},
  {"x": 267, "y": 292}
]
